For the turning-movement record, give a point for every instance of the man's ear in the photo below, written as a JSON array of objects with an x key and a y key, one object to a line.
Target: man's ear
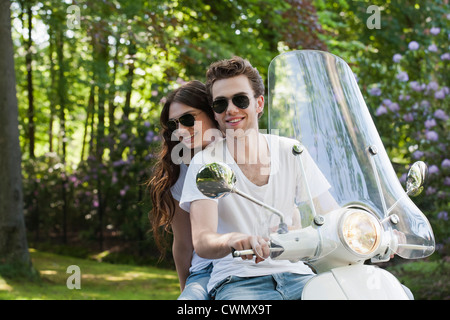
[{"x": 260, "y": 104}]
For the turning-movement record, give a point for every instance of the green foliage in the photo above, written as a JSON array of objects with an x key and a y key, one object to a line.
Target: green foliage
[
  {"x": 98, "y": 89},
  {"x": 95, "y": 201},
  {"x": 98, "y": 92},
  {"x": 427, "y": 280},
  {"x": 409, "y": 98},
  {"x": 412, "y": 93}
]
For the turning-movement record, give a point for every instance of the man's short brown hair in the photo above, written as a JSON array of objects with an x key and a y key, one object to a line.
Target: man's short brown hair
[{"x": 234, "y": 67}]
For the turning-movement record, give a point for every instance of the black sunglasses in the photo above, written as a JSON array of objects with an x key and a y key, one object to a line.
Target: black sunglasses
[
  {"x": 241, "y": 101},
  {"x": 187, "y": 120}
]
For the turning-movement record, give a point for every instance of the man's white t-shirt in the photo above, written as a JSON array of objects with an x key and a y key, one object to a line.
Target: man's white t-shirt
[
  {"x": 237, "y": 214},
  {"x": 197, "y": 263}
]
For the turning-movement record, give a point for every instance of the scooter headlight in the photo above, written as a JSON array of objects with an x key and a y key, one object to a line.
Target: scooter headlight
[{"x": 360, "y": 232}]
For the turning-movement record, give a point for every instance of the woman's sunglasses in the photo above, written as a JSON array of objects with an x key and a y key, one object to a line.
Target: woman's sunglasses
[
  {"x": 241, "y": 101},
  {"x": 187, "y": 120}
]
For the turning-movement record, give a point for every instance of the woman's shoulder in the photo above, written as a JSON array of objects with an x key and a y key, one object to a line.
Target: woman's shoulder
[{"x": 209, "y": 153}]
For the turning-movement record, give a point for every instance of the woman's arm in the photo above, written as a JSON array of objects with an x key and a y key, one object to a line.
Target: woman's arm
[{"x": 182, "y": 246}]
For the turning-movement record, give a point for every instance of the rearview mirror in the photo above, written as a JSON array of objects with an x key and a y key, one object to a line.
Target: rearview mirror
[
  {"x": 416, "y": 178},
  {"x": 215, "y": 180}
]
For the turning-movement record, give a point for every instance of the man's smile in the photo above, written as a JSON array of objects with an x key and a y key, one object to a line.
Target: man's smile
[{"x": 234, "y": 120}]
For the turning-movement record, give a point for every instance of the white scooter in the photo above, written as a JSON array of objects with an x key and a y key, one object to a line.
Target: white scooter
[{"x": 314, "y": 98}]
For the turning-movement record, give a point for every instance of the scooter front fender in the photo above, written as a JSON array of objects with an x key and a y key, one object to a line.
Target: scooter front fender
[{"x": 355, "y": 282}]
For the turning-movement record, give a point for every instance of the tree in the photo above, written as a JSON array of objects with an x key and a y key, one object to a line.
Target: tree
[
  {"x": 26, "y": 7},
  {"x": 13, "y": 241},
  {"x": 99, "y": 89}
]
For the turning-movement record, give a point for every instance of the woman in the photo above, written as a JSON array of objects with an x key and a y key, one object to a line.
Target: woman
[{"x": 185, "y": 118}]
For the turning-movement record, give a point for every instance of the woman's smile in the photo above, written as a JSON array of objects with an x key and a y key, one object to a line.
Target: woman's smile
[{"x": 186, "y": 139}]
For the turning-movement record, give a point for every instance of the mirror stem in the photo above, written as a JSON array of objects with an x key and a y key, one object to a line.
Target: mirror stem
[
  {"x": 282, "y": 227},
  {"x": 262, "y": 204}
]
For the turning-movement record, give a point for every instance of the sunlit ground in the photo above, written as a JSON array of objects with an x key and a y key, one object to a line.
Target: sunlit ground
[
  {"x": 105, "y": 281},
  {"x": 98, "y": 281}
]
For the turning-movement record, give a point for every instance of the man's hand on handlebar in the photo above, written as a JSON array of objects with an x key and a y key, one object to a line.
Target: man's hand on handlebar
[{"x": 244, "y": 242}]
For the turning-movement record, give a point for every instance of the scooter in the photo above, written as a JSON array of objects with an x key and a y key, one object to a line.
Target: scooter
[{"x": 314, "y": 98}]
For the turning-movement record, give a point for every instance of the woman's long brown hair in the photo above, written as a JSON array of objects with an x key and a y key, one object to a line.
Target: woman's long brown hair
[{"x": 166, "y": 172}]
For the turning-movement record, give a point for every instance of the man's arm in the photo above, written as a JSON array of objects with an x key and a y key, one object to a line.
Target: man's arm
[{"x": 210, "y": 244}]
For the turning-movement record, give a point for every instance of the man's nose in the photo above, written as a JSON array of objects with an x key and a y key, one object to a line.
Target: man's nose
[{"x": 232, "y": 109}]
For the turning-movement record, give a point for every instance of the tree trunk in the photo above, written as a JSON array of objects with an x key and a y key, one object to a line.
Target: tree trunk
[
  {"x": 29, "y": 61},
  {"x": 111, "y": 105},
  {"x": 132, "y": 49},
  {"x": 101, "y": 71},
  {"x": 13, "y": 240},
  {"x": 62, "y": 119},
  {"x": 89, "y": 111},
  {"x": 101, "y": 77},
  {"x": 51, "y": 90},
  {"x": 61, "y": 92}
]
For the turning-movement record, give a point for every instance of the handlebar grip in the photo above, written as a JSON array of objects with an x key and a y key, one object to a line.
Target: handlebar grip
[
  {"x": 275, "y": 250},
  {"x": 236, "y": 254}
]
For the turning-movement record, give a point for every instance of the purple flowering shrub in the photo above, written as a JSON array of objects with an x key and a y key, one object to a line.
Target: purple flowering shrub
[
  {"x": 98, "y": 200},
  {"x": 410, "y": 107}
]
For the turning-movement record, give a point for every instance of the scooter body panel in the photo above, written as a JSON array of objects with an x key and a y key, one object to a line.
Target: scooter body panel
[{"x": 356, "y": 282}]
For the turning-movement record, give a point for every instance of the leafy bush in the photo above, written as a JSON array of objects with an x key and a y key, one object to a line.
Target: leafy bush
[
  {"x": 410, "y": 107},
  {"x": 99, "y": 201}
]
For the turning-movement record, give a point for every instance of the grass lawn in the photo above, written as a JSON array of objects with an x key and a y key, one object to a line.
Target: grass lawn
[
  {"x": 102, "y": 281},
  {"x": 428, "y": 280},
  {"x": 105, "y": 281}
]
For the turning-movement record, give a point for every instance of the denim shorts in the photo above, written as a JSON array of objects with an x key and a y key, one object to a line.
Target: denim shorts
[
  {"x": 279, "y": 286},
  {"x": 195, "y": 288}
]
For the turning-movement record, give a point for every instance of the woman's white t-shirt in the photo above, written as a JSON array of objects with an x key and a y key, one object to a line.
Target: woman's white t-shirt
[{"x": 197, "y": 262}]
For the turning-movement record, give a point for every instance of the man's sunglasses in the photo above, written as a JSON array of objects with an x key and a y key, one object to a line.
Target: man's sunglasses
[
  {"x": 187, "y": 120},
  {"x": 241, "y": 101}
]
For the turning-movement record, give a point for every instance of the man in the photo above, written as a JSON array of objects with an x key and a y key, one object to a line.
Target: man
[{"x": 266, "y": 169}]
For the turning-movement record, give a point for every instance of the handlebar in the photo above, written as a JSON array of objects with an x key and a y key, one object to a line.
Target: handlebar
[{"x": 239, "y": 253}]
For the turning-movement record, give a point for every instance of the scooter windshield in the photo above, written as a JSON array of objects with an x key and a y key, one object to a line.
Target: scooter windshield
[{"x": 315, "y": 99}]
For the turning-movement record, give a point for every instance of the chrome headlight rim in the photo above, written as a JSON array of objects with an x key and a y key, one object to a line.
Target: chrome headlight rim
[{"x": 374, "y": 222}]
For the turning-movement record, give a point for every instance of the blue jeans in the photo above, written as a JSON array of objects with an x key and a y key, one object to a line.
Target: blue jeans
[
  {"x": 279, "y": 286},
  {"x": 195, "y": 288}
]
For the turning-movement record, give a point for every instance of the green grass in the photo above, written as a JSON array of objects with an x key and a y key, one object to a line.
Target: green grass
[
  {"x": 428, "y": 280},
  {"x": 99, "y": 281},
  {"x": 105, "y": 281}
]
